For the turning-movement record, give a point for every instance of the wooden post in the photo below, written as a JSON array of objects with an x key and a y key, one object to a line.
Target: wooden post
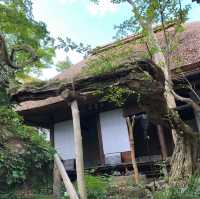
[
  {"x": 56, "y": 182},
  {"x": 102, "y": 156},
  {"x": 52, "y": 135},
  {"x": 132, "y": 146},
  {"x": 162, "y": 141},
  {"x": 68, "y": 185},
  {"x": 78, "y": 150}
]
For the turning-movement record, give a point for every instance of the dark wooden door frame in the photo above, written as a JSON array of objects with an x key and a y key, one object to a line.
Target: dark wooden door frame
[{"x": 101, "y": 151}]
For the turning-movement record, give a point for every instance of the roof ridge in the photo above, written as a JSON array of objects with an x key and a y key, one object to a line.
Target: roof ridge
[{"x": 126, "y": 40}]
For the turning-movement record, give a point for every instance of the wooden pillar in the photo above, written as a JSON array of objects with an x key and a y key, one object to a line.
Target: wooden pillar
[
  {"x": 57, "y": 182},
  {"x": 162, "y": 141},
  {"x": 52, "y": 135},
  {"x": 132, "y": 146},
  {"x": 78, "y": 150},
  {"x": 102, "y": 156}
]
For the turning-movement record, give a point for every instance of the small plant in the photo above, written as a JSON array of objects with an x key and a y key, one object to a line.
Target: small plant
[
  {"x": 190, "y": 191},
  {"x": 110, "y": 59},
  {"x": 117, "y": 95},
  {"x": 97, "y": 187}
]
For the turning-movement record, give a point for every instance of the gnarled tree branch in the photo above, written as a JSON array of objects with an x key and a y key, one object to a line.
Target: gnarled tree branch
[
  {"x": 189, "y": 101},
  {"x": 6, "y": 59}
]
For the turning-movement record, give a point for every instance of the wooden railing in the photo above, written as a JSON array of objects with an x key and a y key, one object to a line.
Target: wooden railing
[{"x": 66, "y": 180}]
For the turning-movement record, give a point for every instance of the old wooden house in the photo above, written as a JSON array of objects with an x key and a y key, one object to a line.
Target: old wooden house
[{"x": 103, "y": 125}]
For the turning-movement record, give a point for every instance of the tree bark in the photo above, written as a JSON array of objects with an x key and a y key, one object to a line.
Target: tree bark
[
  {"x": 78, "y": 150},
  {"x": 183, "y": 157},
  {"x": 159, "y": 59},
  {"x": 181, "y": 164},
  {"x": 132, "y": 146}
]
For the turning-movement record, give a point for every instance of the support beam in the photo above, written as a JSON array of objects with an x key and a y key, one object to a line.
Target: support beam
[
  {"x": 56, "y": 182},
  {"x": 132, "y": 146},
  {"x": 66, "y": 180},
  {"x": 78, "y": 150},
  {"x": 162, "y": 141}
]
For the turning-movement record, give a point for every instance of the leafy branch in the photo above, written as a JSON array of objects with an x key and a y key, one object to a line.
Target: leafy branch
[
  {"x": 68, "y": 45},
  {"x": 10, "y": 60}
]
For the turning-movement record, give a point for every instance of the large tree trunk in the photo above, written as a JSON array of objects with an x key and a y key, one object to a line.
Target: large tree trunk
[
  {"x": 158, "y": 56},
  {"x": 183, "y": 158},
  {"x": 160, "y": 61},
  {"x": 181, "y": 164}
]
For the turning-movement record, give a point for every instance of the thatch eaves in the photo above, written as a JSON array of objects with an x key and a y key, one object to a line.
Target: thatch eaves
[{"x": 184, "y": 58}]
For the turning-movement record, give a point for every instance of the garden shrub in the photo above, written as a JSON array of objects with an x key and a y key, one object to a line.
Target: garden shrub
[{"x": 25, "y": 157}]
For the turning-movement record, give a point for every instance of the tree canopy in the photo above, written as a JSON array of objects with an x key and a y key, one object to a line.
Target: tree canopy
[{"x": 19, "y": 28}]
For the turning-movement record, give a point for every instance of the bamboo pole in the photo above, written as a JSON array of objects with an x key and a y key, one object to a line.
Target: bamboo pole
[
  {"x": 132, "y": 146},
  {"x": 66, "y": 180},
  {"x": 78, "y": 150}
]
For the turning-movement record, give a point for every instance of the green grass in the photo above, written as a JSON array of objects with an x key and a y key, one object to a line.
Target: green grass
[{"x": 41, "y": 197}]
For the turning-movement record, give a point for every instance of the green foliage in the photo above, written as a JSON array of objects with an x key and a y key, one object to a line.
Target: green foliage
[
  {"x": 63, "y": 65},
  {"x": 111, "y": 59},
  {"x": 108, "y": 61},
  {"x": 150, "y": 11},
  {"x": 97, "y": 186},
  {"x": 190, "y": 191},
  {"x": 147, "y": 14},
  {"x": 68, "y": 44},
  {"x": 41, "y": 197},
  {"x": 4, "y": 98},
  {"x": 19, "y": 27},
  {"x": 25, "y": 157},
  {"x": 117, "y": 95},
  {"x": 127, "y": 27}
]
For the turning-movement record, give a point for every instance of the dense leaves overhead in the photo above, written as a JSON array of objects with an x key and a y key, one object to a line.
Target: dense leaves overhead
[
  {"x": 19, "y": 28},
  {"x": 149, "y": 11}
]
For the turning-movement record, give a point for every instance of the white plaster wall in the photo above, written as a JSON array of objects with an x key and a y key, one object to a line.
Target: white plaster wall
[
  {"x": 64, "y": 139},
  {"x": 114, "y": 132}
]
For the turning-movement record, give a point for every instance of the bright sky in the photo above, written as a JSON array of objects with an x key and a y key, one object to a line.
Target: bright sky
[{"x": 85, "y": 22}]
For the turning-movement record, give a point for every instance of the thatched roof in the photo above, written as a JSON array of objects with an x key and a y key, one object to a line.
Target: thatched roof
[
  {"x": 198, "y": 1},
  {"x": 186, "y": 53},
  {"x": 185, "y": 56}
]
